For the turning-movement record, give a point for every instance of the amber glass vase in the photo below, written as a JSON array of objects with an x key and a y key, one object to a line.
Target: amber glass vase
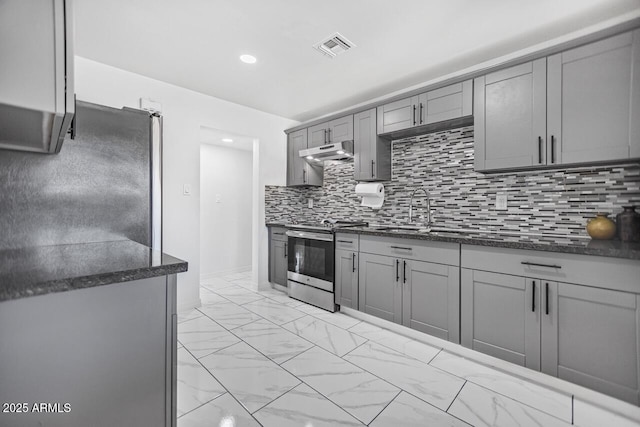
[{"x": 601, "y": 227}]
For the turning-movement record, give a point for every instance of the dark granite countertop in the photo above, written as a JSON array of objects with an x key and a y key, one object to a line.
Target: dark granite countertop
[
  {"x": 41, "y": 270},
  {"x": 562, "y": 244}
]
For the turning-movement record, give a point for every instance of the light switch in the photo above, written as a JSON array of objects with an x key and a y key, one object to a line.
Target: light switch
[
  {"x": 310, "y": 203},
  {"x": 186, "y": 190},
  {"x": 217, "y": 198},
  {"x": 501, "y": 202}
]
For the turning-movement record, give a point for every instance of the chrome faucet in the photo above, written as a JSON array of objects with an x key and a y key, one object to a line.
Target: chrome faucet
[{"x": 428, "y": 224}]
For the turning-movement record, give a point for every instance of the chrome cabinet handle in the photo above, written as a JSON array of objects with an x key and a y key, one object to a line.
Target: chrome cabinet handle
[
  {"x": 401, "y": 247},
  {"x": 421, "y": 113},
  {"x": 535, "y": 264},
  {"x": 540, "y": 149},
  {"x": 286, "y": 249},
  {"x": 329, "y": 135},
  {"x": 553, "y": 149},
  {"x": 546, "y": 297},
  {"x": 354, "y": 262},
  {"x": 404, "y": 272},
  {"x": 414, "y": 115},
  {"x": 397, "y": 267},
  {"x": 372, "y": 163},
  {"x": 533, "y": 296},
  {"x": 304, "y": 176},
  {"x": 345, "y": 241}
]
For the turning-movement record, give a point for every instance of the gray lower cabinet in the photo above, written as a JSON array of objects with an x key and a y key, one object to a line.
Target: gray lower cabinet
[
  {"x": 431, "y": 298},
  {"x": 108, "y": 351},
  {"x": 346, "y": 278},
  {"x": 380, "y": 290},
  {"x": 372, "y": 154},
  {"x": 299, "y": 171},
  {"x": 594, "y": 101},
  {"x": 278, "y": 256}
]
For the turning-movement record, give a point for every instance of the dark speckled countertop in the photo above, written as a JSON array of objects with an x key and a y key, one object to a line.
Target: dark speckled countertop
[
  {"x": 607, "y": 248},
  {"x": 45, "y": 269}
]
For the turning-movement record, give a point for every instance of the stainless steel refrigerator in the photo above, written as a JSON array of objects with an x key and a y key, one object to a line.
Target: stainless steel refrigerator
[{"x": 105, "y": 184}]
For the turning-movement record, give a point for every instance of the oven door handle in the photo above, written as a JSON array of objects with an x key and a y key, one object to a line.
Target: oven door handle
[{"x": 327, "y": 237}]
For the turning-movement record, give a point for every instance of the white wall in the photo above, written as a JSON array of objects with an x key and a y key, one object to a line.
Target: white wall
[
  {"x": 184, "y": 112},
  {"x": 225, "y": 210}
]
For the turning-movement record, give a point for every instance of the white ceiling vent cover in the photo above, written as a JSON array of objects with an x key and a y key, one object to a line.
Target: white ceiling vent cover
[{"x": 334, "y": 45}]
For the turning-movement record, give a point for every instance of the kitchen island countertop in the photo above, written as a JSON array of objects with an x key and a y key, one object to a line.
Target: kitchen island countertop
[{"x": 41, "y": 270}]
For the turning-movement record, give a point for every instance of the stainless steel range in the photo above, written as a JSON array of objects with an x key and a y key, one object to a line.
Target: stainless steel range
[{"x": 311, "y": 256}]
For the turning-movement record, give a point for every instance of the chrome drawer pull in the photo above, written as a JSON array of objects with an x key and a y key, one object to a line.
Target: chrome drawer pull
[
  {"x": 401, "y": 247},
  {"x": 346, "y": 241},
  {"x": 540, "y": 265}
]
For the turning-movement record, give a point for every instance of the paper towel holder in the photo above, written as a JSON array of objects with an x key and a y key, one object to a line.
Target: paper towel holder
[{"x": 372, "y": 194}]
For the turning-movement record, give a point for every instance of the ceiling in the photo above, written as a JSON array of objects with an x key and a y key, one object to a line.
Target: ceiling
[
  {"x": 196, "y": 43},
  {"x": 225, "y": 139}
]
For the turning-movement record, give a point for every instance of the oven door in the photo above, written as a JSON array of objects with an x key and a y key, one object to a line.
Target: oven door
[{"x": 311, "y": 258}]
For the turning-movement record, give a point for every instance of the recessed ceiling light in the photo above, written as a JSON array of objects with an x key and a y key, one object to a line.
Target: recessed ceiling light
[
  {"x": 248, "y": 59},
  {"x": 310, "y": 157},
  {"x": 227, "y": 140}
]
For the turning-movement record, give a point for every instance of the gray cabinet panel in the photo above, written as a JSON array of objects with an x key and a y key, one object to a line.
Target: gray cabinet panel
[
  {"x": 501, "y": 316},
  {"x": 380, "y": 293},
  {"x": 299, "y": 171},
  {"x": 634, "y": 133},
  {"x": 109, "y": 342},
  {"x": 590, "y": 101},
  {"x": 278, "y": 258},
  {"x": 510, "y": 117},
  {"x": 449, "y": 102},
  {"x": 340, "y": 129},
  {"x": 372, "y": 154},
  {"x": 346, "y": 280},
  {"x": 421, "y": 250},
  {"x": 591, "y": 337},
  {"x": 397, "y": 115},
  {"x": 430, "y": 298},
  {"x": 318, "y": 135}
]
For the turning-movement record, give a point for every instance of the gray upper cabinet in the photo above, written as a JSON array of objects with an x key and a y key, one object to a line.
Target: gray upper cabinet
[
  {"x": 591, "y": 336},
  {"x": 372, "y": 154},
  {"x": 501, "y": 316},
  {"x": 299, "y": 171},
  {"x": 431, "y": 298},
  {"x": 510, "y": 117},
  {"x": 446, "y": 103},
  {"x": 594, "y": 101},
  {"x": 336, "y": 130},
  {"x": 380, "y": 292},
  {"x": 36, "y": 76}
]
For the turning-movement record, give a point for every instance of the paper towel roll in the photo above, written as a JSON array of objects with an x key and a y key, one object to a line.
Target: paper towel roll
[{"x": 372, "y": 194}]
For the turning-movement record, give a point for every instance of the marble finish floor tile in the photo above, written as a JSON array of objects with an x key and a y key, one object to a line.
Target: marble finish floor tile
[
  {"x": 304, "y": 407},
  {"x": 405, "y": 345},
  {"x": 189, "y": 314},
  {"x": 202, "y": 336},
  {"x": 215, "y": 283},
  {"x": 196, "y": 385},
  {"x": 224, "y": 411},
  {"x": 274, "y": 311},
  {"x": 248, "y": 284},
  {"x": 337, "y": 340},
  {"x": 481, "y": 407},
  {"x": 588, "y": 415},
  {"x": 542, "y": 398},
  {"x": 353, "y": 389},
  {"x": 237, "y": 276},
  {"x": 409, "y": 411},
  {"x": 281, "y": 297},
  {"x": 423, "y": 381},
  {"x": 337, "y": 319},
  {"x": 239, "y": 295},
  {"x": 229, "y": 314},
  {"x": 252, "y": 378},
  {"x": 208, "y": 297},
  {"x": 276, "y": 343}
]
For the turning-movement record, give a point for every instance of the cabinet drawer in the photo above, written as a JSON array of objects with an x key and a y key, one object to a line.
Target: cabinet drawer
[
  {"x": 421, "y": 250},
  {"x": 279, "y": 234},
  {"x": 602, "y": 272},
  {"x": 349, "y": 242}
]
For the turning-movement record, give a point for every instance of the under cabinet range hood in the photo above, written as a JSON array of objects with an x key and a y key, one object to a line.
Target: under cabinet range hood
[{"x": 338, "y": 151}]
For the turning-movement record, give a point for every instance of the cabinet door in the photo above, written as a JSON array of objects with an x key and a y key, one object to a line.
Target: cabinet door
[
  {"x": 380, "y": 293},
  {"x": 594, "y": 101},
  {"x": 318, "y": 135},
  {"x": 372, "y": 154},
  {"x": 450, "y": 102},
  {"x": 398, "y": 115},
  {"x": 510, "y": 117},
  {"x": 347, "y": 278},
  {"x": 591, "y": 337},
  {"x": 279, "y": 262},
  {"x": 430, "y": 299},
  {"x": 501, "y": 316},
  {"x": 295, "y": 164},
  {"x": 341, "y": 129}
]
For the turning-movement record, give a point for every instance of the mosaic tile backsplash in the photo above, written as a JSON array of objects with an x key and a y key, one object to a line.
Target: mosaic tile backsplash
[{"x": 544, "y": 202}]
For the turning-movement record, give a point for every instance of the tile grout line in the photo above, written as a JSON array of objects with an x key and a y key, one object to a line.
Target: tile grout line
[
  {"x": 386, "y": 406},
  {"x": 226, "y": 389},
  {"x": 454, "y": 399}
]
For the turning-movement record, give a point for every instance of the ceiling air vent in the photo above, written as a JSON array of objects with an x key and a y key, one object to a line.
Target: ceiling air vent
[{"x": 334, "y": 45}]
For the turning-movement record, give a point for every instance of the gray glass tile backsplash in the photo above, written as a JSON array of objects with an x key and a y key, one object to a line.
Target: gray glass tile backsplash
[{"x": 547, "y": 201}]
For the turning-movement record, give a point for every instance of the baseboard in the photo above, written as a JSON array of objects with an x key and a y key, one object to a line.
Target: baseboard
[
  {"x": 589, "y": 396},
  {"x": 225, "y": 272}
]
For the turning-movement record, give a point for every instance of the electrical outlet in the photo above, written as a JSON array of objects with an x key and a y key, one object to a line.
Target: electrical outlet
[
  {"x": 310, "y": 203},
  {"x": 501, "y": 202},
  {"x": 186, "y": 190}
]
